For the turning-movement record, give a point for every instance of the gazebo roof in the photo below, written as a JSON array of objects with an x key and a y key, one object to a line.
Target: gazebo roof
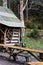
[{"x": 8, "y": 18}]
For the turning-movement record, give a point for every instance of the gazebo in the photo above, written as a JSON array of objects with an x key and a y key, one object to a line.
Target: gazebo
[{"x": 10, "y": 27}]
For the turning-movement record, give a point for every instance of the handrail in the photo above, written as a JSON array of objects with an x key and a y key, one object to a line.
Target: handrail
[
  {"x": 34, "y": 63},
  {"x": 21, "y": 48}
]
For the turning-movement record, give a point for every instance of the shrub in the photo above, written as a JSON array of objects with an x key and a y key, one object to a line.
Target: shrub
[
  {"x": 33, "y": 33},
  {"x": 39, "y": 26},
  {"x": 34, "y": 25},
  {"x": 30, "y": 25}
]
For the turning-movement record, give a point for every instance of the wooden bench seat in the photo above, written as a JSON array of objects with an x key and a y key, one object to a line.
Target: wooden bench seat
[{"x": 34, "y": 63}]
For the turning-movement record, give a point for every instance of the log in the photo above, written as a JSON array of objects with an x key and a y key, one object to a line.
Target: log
[{"x": 34, "y": 63}]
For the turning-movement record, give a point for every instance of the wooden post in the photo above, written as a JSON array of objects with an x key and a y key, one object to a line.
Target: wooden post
[
  {"x": 41, "y": 56},
  {"x": 5, "y": 37},
  {"x": 21, "y": 34}
]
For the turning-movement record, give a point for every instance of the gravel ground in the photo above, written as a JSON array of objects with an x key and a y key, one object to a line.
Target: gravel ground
[{"x": 4, "y": 61}]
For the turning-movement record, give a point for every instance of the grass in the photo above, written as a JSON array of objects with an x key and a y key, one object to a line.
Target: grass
[{"x": 33, "y": 43}]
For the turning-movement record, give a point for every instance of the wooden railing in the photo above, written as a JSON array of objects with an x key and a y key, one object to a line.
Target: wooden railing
[
  {"x": 34, "y": 63},
  {"x": 21, "y": 48}
]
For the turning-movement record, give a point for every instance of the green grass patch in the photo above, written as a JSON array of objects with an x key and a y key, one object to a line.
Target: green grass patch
[{"x": 33, "y": 43}]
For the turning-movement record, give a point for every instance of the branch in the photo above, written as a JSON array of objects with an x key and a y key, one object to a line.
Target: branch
[
  {"x": 25, "y": 5},
  {"x": 31, "y": 5}
]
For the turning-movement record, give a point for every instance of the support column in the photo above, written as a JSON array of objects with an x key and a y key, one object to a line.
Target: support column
[
  {"x": 41, "y": 56},
  {"x": 5, "y": 37},
  {"x": 22, "y": 32}
]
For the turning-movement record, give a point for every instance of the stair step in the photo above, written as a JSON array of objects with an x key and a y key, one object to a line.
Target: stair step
[
  {"x": 16, "y": 32},
  {"x": 12, "y": 41},
  {"x": 15, "y": 38}
]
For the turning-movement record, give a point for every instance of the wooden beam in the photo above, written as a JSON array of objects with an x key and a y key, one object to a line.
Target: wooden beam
[
  {"x": 34, "y": 56},
  {"x": 5, "y": 37},
  {"x": 34, "y": 63},
  {"x": 9, "y": 32},
  {"x": 1, "y": 31}
]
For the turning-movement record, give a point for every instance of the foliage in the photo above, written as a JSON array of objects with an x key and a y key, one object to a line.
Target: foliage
[
  {"x": 33, "y": 43},
  {"x": 37, "y": 2},
  {"x": 39, "y": 16},
  {"x": 30, "y": 25},
  {"x": 39, "y": 26},
  {"x": 37, "y": 21},
  {"x": 0, "y": 2},
  {"x": 14, "y": 7},
  {"x": 33, "y": 33},
  {"x": 34, "y": 25}
]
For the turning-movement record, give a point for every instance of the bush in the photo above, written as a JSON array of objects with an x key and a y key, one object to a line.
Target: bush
[
  {"x": 30, "y": 25},
  {"x": 33, "y": 33},
  {"x": 39, "y": 26},
  {"x": 34, "y": 25}
]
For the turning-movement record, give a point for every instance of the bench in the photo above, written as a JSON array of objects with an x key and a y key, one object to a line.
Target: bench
[{"x": 34, "y": 63}]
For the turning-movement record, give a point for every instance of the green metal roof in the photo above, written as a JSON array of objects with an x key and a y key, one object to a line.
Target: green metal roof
[{"x": 8, "y": 18}]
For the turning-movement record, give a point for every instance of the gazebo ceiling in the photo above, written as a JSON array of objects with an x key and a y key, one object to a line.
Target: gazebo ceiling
[{"x": 8, "y": 18}]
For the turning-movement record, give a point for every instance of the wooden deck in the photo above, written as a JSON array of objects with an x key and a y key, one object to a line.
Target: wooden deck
[
  {"x": 21, "y": 48},
  {"x": 34, "y": 63}
]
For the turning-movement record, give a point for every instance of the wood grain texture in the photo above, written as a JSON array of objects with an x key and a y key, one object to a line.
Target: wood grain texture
[{"x": 34, "y": 63}]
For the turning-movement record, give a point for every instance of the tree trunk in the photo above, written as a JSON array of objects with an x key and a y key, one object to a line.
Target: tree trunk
[
  {"x": 27, "y": 12},
  {"x": 4, "y": 3},
  {"x": 21, "y": 15},
  {"x": 22, "y": 8},
  {"x": 21, "y": 11}
]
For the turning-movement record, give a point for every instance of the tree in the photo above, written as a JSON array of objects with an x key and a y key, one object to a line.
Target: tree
[
  {"x": 34, "y": 6},
  {"x": 22, "y": 8},
  {"x": 13, "y": 5}
]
